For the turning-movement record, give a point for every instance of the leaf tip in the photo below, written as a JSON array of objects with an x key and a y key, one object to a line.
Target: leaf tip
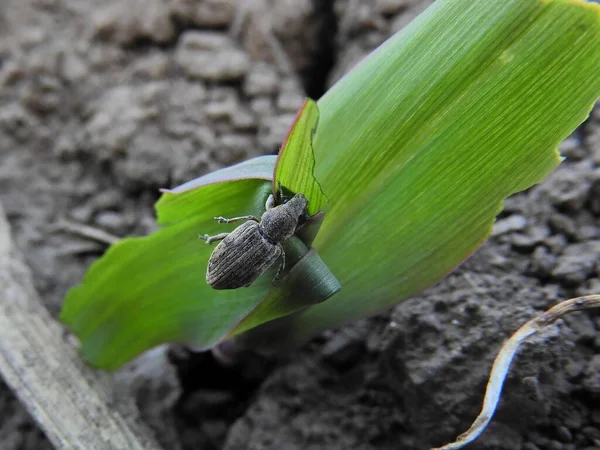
[{"x": 308, "y": 102}]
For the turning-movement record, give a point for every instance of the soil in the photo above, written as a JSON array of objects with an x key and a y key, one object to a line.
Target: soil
[{"x": 105, "y": 102}]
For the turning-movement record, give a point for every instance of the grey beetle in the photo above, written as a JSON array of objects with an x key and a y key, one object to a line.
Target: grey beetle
[{"x": 249, "y": 250}]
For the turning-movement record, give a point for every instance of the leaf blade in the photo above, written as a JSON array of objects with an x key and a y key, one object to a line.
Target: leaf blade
[
  {"x": 296, "y": 162},
  {"x": 493, "y": 129},
  {"x": 150, "y": 290}
]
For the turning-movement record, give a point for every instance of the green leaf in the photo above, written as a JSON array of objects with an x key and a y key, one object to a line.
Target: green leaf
[
  {"x": 296, "y": 162},
  {"x": 146, "y": 291},
  {"x": 415, "y": 149},
  {"x": 151, "y": 290},
  {"x": 189, "y": 199},
  {"x": 418, "y": 146}
]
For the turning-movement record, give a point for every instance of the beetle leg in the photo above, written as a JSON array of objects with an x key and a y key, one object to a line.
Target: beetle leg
[
  {"x": 282, "y": 265},
  {"x": 216, "y": 237},
  {"x": 235, "y": 219}
]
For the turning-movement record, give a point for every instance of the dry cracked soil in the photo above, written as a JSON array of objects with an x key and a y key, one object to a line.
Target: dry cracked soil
[{"x": 103, "y": 102}]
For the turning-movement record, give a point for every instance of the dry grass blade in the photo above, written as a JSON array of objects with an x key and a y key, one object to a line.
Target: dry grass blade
[
  {"x": 86, "y": 231},
  {"x": 503, "y": 360},
  {"x": 74, "y": 405}
]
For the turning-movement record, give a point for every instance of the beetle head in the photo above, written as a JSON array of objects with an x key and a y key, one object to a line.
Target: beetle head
[{"x": 280, "y": 222}]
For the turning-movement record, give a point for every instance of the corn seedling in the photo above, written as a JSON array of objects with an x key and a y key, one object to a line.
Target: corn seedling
[{"x": 404, "y": 164}]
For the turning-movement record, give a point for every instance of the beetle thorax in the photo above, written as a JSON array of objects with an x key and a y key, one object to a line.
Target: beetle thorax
[{"x": 279, "y": 223}]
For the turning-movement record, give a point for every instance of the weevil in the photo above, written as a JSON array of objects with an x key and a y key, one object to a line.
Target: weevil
[{"x": 249, "y": 250}]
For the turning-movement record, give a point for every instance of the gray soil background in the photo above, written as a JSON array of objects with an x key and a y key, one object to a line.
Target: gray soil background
[{"x": 104, "y": 102}]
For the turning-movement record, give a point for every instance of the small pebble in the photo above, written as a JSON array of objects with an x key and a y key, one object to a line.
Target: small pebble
[
  {"x": 591, "y": 379},
  {"x": 391, "y": 7},
  {"x": 261, "y": 80},
  {"x": 514, "y": 222},
  {"x": 563, "y": 224},
  {"x": 577, "y": 263},
  {"x": 211, "y": 56},
  {"x": 289, "y": 101},
  {"x": 592, "y": 433},
  {"x": 542, "y": 262},
  {"x": 82, "y": 214},
  {"x": 564, "y": 434},
  {"x": 534, "y": 236},
  {"x": 111, "y": 221},
  {"x": 569, "y": 190}
]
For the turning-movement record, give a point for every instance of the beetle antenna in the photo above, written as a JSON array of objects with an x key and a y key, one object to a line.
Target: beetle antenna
[{"x": 279, "y": 193}]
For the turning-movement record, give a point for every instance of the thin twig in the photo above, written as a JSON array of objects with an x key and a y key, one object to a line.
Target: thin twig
[
  {"x": 74, "y": 405},
  {"x": 86, "y": 231},
  {"x": 503, "y": 360}
]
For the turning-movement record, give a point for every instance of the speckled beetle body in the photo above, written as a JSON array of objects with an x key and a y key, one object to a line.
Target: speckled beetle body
[{"x": 249, "y": 250}]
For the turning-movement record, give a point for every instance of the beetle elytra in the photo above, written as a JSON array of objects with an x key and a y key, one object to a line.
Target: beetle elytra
[{"x": 249, "y": 250}]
